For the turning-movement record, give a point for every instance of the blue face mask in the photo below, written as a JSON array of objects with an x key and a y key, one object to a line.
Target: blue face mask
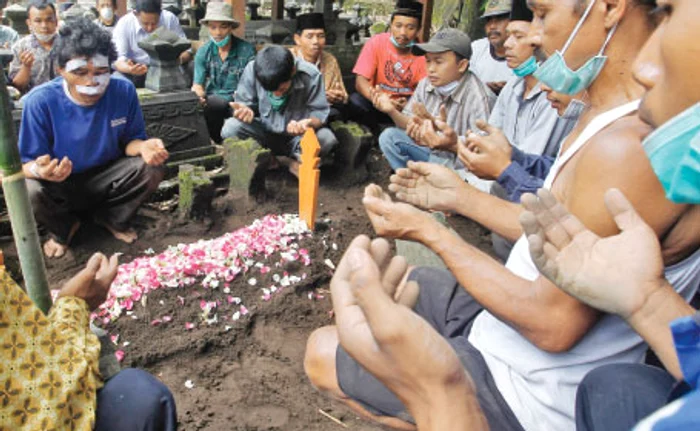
[
  {"x": 557, "y": 75},
  {"x": 396, "y": 44},
  {"x": 674, "y": 152},
  {"x": 222, "y": 43},
  {"x": 574, "y": 110},
  {"x": 528, "y": 67}
]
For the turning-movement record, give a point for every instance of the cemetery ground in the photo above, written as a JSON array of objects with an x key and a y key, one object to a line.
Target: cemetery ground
[{"x": 231, "y": 350}]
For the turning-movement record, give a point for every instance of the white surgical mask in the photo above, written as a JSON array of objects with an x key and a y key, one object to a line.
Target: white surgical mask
[
  {"x": 44, "y": 37},
  {"x": 447, "y": 89},
  {"x": 107, "y": 13}
]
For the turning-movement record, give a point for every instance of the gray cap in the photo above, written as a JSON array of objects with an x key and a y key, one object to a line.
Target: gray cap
[
  {"x": 496, "y": 8},
  {"x": 449, "y": 39}
]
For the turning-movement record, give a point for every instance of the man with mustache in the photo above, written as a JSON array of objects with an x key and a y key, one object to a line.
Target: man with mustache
[{"x": 489, "y": 59}]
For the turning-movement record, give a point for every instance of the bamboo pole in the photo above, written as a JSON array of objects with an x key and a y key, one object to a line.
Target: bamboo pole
[{"x": 19, "y": 208}]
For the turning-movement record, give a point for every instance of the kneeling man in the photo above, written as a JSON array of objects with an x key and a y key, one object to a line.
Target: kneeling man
[
  {"x": 277, "y": 99},
  {"x": 83, "y": 142}
]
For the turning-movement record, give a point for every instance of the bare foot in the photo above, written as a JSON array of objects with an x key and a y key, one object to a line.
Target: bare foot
[
  {"x": 54, "y": 249},
  {"x": 128, "y": 236},
  {"x": 294, "y": 168},
  {"x": 291, "y": 164}
]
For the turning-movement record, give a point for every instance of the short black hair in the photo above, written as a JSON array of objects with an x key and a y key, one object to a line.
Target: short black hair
[
  {"x": 394, "y": 15},
  {"x": 40, "y": 5},
  {"x": 274, "y": 65},
  {"x": 83, "y": 38},
  {"x": 3, "y": 4},
  {"x": 148, "y": 6},
  {"x": 114, "y": 3}
]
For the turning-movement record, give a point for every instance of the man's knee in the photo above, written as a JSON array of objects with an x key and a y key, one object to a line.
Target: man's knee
[
  {"x": 233, "y": 128},
  {"x": 327, "y": 141},
  {"x": 149, "y": 175},
  {"x": 357, "y": 100},
  {"x": 389, "y": 139},
  {"x": 319, "y": 359}
]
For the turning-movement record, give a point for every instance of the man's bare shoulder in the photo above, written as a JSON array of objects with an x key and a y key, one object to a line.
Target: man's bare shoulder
[{"x": 616, "y": 143}]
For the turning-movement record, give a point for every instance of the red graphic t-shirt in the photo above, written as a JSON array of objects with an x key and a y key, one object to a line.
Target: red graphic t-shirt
[{"x": 382, "y": 64}]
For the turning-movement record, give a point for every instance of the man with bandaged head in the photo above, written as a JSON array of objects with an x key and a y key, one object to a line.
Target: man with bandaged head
[{"x": 83, "y": 142}]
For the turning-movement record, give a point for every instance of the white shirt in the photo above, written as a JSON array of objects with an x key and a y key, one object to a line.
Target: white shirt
[
  {"x": 540, "y": 387},
  {"x": 485, "y": 66},
  {"x": 128, "y": 33}
]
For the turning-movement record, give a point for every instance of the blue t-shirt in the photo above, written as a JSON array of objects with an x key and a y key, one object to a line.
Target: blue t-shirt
[
  {"x": 90, "y": 136},
  {"x": 684, "y": 413}
]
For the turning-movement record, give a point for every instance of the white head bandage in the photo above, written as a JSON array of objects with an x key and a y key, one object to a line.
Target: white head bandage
[
  {"x": 102, "y": 82},
  {"x": 97, "y": 60}
]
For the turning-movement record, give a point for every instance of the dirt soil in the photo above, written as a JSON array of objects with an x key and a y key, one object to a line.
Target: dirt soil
[{"x": 246, "y": 375}]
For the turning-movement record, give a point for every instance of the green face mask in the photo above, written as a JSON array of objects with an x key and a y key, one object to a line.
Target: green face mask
[
  {"x": 222, "y": 43},
  {"x": 278, "y": 102}
]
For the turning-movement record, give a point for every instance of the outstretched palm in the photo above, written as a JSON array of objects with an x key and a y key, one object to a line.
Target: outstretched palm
[
  {"x": 384, "y": 335},
  {"x": 427, "y": 185},
  {"x": 614, "y": 274}
]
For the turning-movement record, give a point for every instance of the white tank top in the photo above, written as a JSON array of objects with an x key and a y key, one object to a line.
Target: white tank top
[{"x": 540, "y": 387}]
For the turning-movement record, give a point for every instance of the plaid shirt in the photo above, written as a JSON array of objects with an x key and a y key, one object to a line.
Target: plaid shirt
[
  {"x": 222, "y": 77},
  {"x": 43, "y": 69}
]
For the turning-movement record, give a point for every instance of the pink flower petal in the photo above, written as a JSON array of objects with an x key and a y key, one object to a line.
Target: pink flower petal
[
  {"x": 189, "y": 325},
  {"x": 120, "y": 355}
]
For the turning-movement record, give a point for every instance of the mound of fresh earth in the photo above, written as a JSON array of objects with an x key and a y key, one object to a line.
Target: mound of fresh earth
[{"x": 234, "y": 368}]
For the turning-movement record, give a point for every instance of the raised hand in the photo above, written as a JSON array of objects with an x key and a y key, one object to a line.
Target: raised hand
[
  {"x": 242, "y": 112},
  {"x": 297, "y": 128},
  {"x": 137, "y": 69},
  {"x": 427, "y": 185},
  {"x": 486, "y": 156},
  {"x": 53, "y": 170},
  {"x": 615, "y": 274},
  {"x": 92, "y": 283},
  {"x": 153, "y": 152},
  {"x": 26, "y": 58},
  {"x": 382, "y": 101},
  {"x": 394, "y": 219},
  {"x": 393, "y": 343}
]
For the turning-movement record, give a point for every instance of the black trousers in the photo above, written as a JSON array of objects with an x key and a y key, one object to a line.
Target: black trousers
[
  {"x": 362, "y": 111},
  {"x": 216, "y": 112},
  {"x": 112, "y": 193}
]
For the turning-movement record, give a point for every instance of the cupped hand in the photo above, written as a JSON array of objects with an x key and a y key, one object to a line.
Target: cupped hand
[
  {"x": 614, "y": 274},
  {"x": 394, "y": 219},
  {"x": 153, "y": 152},
  {"x": 427, "y": 185},
  {"x": 92, "y": 283}
]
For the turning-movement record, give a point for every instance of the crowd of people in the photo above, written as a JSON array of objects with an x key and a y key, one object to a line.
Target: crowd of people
[{"x": 571, "y": 132}]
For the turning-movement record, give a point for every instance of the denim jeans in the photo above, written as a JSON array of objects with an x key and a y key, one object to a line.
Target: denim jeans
[{"x": 399, "y": 148}]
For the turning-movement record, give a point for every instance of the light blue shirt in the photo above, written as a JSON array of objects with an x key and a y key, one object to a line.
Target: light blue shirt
[{"x": 128, "y": 33}]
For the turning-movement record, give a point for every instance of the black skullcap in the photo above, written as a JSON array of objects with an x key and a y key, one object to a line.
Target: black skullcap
[
  {"x": 410, "y": 8},
  {"x": 310, "y": 21},
  {"x": 520, "y": 11}
]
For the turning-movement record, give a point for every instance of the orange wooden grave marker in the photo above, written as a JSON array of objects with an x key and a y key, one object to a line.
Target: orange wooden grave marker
[{"x": 309, "y": 177}]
